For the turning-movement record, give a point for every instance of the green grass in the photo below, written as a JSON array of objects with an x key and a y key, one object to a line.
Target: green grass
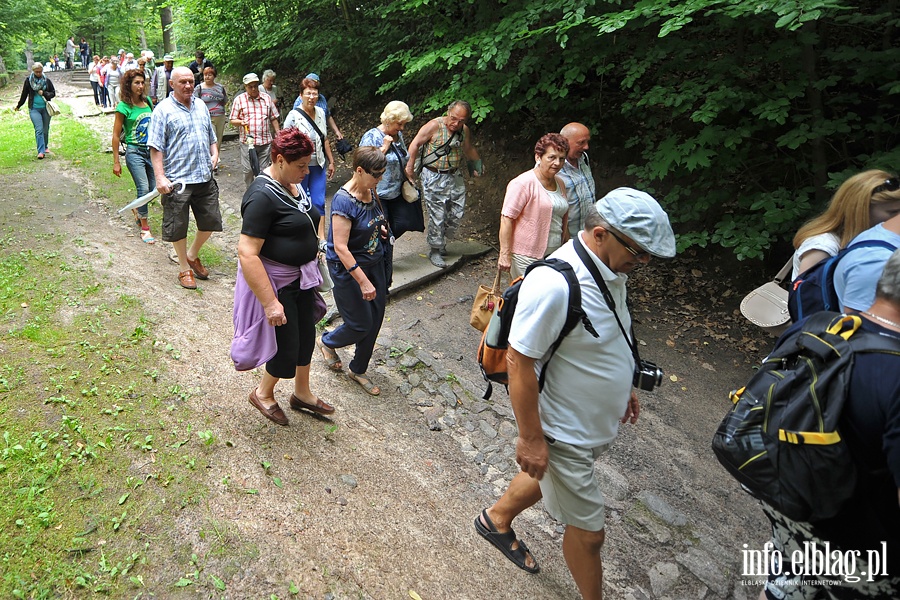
[
  {"x": 97, "y": 451},
  {"x": 70, "y": 140}
]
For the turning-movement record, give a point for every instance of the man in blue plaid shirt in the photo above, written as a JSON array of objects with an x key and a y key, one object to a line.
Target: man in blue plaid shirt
[
  {"x": 183, "y": 150},
  {"x": 576, "y": 174}
]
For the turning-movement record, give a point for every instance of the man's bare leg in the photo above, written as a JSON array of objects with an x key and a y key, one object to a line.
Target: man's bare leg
[
  {"x": 194, "y": 252},
  {"x": 181, "y": 251},
  {"x": 523, "y": 492},
  {"x": 581, "y": 549}
]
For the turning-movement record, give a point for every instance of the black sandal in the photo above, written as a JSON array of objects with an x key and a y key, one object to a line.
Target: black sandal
[{"x": 504, "y": 541}]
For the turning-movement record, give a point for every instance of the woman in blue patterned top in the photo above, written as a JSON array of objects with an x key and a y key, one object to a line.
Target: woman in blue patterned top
[{"x": 355, "y": 253}]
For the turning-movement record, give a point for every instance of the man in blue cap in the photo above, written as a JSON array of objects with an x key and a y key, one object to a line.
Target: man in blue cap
[
  {"x": 322, "y": 103},
  {"x": 588, "y": 391}
]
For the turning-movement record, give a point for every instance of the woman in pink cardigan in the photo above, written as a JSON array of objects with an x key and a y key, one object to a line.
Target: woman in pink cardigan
[{"x": 533, "y": 221}]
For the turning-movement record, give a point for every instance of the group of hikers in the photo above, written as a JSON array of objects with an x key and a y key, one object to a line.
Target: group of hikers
[{"x": 568, "y": 410}]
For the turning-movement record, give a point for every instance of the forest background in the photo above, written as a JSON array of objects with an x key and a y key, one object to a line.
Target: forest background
[{"x": 741, "y": 116}]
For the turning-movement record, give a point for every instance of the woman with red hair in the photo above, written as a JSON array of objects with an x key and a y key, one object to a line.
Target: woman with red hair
[
  {"x": 276, "y": 305},
  {"x": 534, "y": 217}
]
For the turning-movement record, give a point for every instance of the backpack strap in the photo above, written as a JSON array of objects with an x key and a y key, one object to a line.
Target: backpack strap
[
  {"x": 607, "y": 295},
  {"x": 574, "y": 312},
  {"x": 829, "y": 293}
]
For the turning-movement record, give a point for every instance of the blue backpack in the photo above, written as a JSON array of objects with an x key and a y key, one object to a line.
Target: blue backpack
[{"x": 813, "y": 290}]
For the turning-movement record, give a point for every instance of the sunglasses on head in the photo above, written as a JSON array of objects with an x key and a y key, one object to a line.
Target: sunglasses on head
[{"x": 889, "y": 185}]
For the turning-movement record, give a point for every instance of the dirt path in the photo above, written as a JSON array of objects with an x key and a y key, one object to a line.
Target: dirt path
[{"x": 380, "y": 501}]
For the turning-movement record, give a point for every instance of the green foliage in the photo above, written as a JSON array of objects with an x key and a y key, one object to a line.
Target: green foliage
[
  {"x": 107, "y": 25},
  {"x": 741, "y": 115},
  {"x": 738, "y": 112}
]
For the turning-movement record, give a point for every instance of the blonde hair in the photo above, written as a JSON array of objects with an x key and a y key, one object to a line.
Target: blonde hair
[
  {"x": 396, "y": 112},
  {"x": 848, "y": 213}
]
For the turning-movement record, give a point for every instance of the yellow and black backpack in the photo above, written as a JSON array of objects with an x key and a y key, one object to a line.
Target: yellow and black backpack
[{"x": 781, "y": 440}]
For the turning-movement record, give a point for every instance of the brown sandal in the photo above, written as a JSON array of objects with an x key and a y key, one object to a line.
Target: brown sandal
[
  {"x": 332, "y": 360},
  {"x": 365, "y": 383}
]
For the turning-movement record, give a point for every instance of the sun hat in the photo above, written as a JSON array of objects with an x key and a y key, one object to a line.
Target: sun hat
[
  {"x": 312, "y": 76},
  {"x": 640, "y": 217},
  {"x": 250, "y": 78},
  {"x": 121, "y": 51},
  {"x": 168, "y": 58}
]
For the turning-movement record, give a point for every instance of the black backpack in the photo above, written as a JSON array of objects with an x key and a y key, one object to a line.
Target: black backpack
[
  {"x": 813, "y": 290},
  {"x": 781, "y": 440},
  {"x": 495, "y": 340}
]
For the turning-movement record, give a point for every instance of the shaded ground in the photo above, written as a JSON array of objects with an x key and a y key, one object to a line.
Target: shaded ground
[{"x": 380, "y": 501}]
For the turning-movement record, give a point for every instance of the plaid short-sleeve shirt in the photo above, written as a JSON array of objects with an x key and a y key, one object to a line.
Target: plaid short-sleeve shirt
[
  {"x": 259, "y": 113},
  {"x": 183, "y": 135}
]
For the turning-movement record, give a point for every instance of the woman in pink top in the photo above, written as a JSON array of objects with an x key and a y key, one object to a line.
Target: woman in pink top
[{"x": 533, "y": 221}]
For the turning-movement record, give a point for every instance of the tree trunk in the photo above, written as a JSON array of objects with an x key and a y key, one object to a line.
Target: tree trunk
[
  {"x": 29, "y": 55},
  {"x": 817, "y": 107},
  {"x": 165, "y": 15}
]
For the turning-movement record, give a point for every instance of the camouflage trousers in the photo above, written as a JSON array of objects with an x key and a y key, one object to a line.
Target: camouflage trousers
[{"x": 445, "y": 199}]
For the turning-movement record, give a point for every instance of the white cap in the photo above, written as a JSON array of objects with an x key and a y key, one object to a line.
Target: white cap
[
  {"x": 640, "y": 217},
  {"x": 250, "y": 78}
]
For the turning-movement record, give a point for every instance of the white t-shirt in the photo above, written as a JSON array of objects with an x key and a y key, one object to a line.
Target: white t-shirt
[
  {"x": 588, "y": 380},
  {"x": 826, "y": 242},
  {"x": 560, "y": 208}
]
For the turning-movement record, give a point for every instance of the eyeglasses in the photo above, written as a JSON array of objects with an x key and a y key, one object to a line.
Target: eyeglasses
[
  {"x": 631, "y": 250},
  {"x": 889, "y": 185}
]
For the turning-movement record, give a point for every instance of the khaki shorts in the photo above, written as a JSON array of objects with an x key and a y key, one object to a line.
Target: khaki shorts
[
  {"x": 202, "y": 199},
  {"x": 571, "y": 493}
]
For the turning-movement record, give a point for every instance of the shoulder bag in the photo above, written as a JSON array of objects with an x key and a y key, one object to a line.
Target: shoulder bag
[
  {"x": 767, "y": 305},
  {"x": 486, "y": 302},
  {"x": 408, "y": 190}
]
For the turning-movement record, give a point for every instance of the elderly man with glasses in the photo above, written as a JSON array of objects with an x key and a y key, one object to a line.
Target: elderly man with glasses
[
  {"x": 255, "y": 116},
  {"x": 445, "y": 143},
  {"x": 588, "y": 387}
]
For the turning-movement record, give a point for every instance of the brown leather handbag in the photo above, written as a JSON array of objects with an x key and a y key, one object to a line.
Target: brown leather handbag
[{"x": 486, "y": 300}]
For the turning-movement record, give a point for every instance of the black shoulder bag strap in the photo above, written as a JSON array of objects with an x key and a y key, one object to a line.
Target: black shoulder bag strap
[
  {"x": 400, "y": 157},
  {"x": 313, "y": 123},
  {"x": 607, "y": 295},
  {"x": 383, "y": 217},
  {"x": 441, "y": 151}
]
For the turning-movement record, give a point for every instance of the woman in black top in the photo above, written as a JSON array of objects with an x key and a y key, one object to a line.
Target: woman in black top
[
  {"x": 38, "y": 90},
  {"x": 281, "y": 238}
]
